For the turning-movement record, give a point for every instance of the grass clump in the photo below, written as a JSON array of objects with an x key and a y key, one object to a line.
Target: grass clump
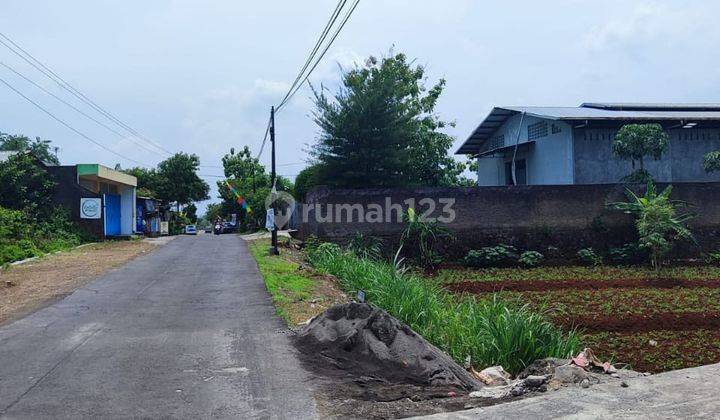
[
  {"x": 283, "y": 280},
  {"x": 489, "y": 332}
]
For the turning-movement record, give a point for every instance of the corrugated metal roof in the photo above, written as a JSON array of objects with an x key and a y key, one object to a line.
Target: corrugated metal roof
[
  {"x": 633, "y": 106},
  {"x": 570, "y": 113},
  {"x": 591, "y": 112}
]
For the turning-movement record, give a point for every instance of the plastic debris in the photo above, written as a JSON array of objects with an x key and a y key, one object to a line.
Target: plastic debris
[{"x": 586, "y": 359}]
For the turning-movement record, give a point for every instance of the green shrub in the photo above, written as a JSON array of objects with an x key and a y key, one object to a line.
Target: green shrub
[
  {"x": 13, "y": 224},
  {"x": 531, "y": 259},
  {"x": 325, "y": 249},
  {"x": 631, "y": 253},
  {"x": 588, "y": 256},
  {"x": 22, "y": 237},
  {"x": 713, "y": 258},
  {"x": 311, "y": 243},
  {"x": 365, "y": 246},
  {"x": 26, "y": 186},
  {"x": 17, "y": 250},
  {"x": 489, "y": 332},
  {"x": 492, "y": 256}
]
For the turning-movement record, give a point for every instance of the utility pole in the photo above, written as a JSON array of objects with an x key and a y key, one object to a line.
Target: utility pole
[{"x": 273, "y": 232}]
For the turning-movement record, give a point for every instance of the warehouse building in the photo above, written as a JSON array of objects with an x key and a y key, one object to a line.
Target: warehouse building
[{"x": 573, "y": 145}]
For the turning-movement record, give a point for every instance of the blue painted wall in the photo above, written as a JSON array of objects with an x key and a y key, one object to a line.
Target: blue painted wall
[
  {"x": 595, "y": 163},
  {"x": 549, "y": 159}
]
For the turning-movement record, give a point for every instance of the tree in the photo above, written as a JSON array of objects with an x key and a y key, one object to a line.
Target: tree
[
  {"x": 657, "y": 221},
  {"x": 191, "y": 212},
  {"x": 25, "y": 185},
  {"x": 380, "y": 129},
  {"x": 248, "y": 177},
  {"x": 306, "y": 180},
  {"x": 212, "y": 212},
  {"x": 635, "y": 141},
  {"x": 148, "y": 180},
  {"x": 178, "y": 182},
  {"x": 40, "y": 148}
]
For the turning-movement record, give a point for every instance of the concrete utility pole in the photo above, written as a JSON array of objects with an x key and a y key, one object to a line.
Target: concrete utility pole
[{"x": 273, "y": 175}]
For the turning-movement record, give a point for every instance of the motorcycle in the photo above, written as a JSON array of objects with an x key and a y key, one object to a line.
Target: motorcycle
[{"x": 218, "y": 229}]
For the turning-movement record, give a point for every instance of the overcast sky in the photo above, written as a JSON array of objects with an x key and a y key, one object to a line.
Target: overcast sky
[{"x": 200, "y": 76}]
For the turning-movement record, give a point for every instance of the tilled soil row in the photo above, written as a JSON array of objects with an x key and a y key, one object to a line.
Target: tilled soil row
[
  {"x": 669, "y": 321},
  {"x": 545, "y": 285}
]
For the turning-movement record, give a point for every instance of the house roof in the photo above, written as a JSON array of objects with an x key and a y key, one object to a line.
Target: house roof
[
  {"x": 103, "y": 172},
  {"x": 630, "y": 112}
]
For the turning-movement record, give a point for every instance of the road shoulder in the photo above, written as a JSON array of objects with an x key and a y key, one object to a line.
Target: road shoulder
[{"x": 25, "y": 288}]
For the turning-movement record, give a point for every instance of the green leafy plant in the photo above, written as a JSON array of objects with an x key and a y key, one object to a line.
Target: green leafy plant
[
  {"x": 631, "y": 253},
  {"x": 657, "y": 221},
  {"x": 492, "y": 256},
  {"x": 531, "y": 259},
  {"x": 713, "y": 258},
  {"x": 588, "y": 256},
  {"x": 420, "y": 239},
  {"x": 365, "y": 246}
]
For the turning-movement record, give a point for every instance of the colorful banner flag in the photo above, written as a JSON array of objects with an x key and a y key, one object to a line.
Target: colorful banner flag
[{"x": 239, "y": 198}]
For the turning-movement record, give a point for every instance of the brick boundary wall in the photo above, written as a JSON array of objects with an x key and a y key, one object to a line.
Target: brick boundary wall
[{"x": 569, "y": 217}]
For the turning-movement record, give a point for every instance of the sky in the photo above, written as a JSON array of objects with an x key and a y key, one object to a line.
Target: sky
[{"x": 200, "y": 77}]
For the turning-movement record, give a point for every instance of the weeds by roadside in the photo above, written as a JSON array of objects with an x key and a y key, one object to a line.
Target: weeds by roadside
[
  {"x": 489, "y": 332},
  {"x": 297, "y": 294}
]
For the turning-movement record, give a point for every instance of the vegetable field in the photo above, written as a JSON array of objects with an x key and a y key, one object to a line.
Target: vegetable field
[{"x": 628, "y": 315}]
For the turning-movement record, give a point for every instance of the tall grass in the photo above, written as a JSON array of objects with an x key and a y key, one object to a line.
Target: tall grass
[{"x": 491, "y": 332}]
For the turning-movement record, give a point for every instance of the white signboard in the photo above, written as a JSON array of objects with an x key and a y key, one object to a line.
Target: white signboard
[{"x": 90, "y": 208}]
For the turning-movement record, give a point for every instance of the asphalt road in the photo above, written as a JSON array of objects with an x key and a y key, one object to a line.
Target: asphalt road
[{"x": 187, "y": 331}]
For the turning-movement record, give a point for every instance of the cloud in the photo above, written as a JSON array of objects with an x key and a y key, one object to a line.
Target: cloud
[
  {"x": 270, "y": 86},
  {"x": 648, "y": 24}
]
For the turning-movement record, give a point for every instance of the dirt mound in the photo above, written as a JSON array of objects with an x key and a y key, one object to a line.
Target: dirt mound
[
  {"x": 477, "y": 287},
  {"x": 376, "y": 348}
]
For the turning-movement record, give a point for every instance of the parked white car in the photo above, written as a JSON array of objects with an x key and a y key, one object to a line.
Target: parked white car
[{"x": 190, "y": 230}]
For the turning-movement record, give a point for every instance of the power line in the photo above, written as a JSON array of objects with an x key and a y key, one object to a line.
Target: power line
[
  {"x": 223, "y": 176},
  {"x": 45, "y": 70},
  {"x": 327, "y": 47},
  {"x": 321, "y": 39},
  {"x": 71, "y": 127},
  {"x": 112, "y": 130},
  {"x": 262, "y": 146},
  {"x": 281, "y": 164}
]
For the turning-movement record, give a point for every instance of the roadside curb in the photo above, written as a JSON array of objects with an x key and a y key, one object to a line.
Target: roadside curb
[{"x": 27, "y": 260}]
